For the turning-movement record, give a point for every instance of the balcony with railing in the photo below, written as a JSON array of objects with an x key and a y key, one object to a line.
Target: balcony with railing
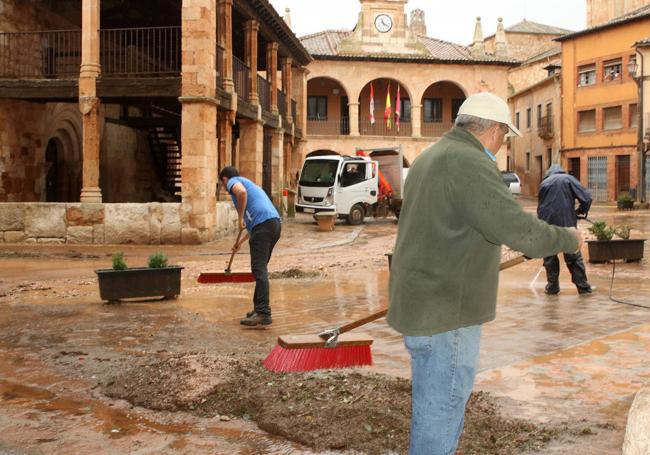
[
  {"x": 264, "y": 93},
  {"x": 282, "y": 104},
  {"x": 381, "y": 129},
  {"x": 40, "y": 55},
  {"x": 241, "y": 78},
  {"x": 435, "y": 129},
  {"x": 220, "y": 68},
  {"x": 325, "y": 127},
  {"x": 545, "y": 127}
]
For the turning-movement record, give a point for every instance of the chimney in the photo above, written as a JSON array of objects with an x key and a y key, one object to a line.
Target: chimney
[
  {"x": 500, "y": 44},
  {"x": 287, "y": 16},
  {"x": 478, "y": 46},
  {"x": 417, "y": 25}
]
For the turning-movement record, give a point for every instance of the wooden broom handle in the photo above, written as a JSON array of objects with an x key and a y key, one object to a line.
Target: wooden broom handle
[
  {"x": 380, "y": 314},
  {"x": 232, "y": 256}
]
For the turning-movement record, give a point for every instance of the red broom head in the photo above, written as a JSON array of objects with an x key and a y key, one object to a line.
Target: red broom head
[{"x": 283, "y": 360}]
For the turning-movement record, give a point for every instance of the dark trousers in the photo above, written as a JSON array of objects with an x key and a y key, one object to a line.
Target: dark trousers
[
  {"x": 262, "y": 240},
  {"x": 575, "y": 265}
]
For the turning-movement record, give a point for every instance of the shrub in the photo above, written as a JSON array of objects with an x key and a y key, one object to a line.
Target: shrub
[
  {"x": 625, "y": 197},
  {"x": 157, "y": 260},
  {"x": 118, "y": 261},
  {"x": 623, "y": 231},
  {"x": 602, "y": 231}
]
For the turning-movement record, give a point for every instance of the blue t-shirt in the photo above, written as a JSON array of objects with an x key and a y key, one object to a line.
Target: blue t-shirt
[{"x": 259, "y": 207}]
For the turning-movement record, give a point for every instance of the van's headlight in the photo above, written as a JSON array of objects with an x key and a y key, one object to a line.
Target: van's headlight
[{"x": 329, "y": 199}]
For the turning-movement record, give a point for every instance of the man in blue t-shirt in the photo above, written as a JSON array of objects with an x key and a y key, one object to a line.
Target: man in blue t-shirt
[{"x": 262, "y": 222}]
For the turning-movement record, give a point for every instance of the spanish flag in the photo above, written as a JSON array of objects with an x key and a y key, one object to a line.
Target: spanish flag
[{"x": 388, "y": 117}]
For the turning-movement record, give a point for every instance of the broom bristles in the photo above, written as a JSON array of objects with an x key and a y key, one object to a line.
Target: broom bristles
[{"x": 282, "y": 360}]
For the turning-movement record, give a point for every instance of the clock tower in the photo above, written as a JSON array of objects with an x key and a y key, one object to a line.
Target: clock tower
[{"x": 382, "y": 29}]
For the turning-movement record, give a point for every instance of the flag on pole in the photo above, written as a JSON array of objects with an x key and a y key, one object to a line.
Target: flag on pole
[
  {"x": 372, "y": 105},
  {"x": 388, "y": 112},
  {"x": 398, "y": 109}
]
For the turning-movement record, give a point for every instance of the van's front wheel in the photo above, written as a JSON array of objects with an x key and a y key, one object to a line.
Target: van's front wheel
[{"x": 357, "y": 214}]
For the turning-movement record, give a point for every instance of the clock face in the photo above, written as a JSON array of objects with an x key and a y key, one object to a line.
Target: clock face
[{"x": 383, "y": 23}]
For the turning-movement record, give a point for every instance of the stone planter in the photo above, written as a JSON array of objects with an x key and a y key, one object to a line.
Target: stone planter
[
  {"x": 625, "y": 205},
  {"x": 325, "y": 221},
  {"x": 139, "y": 282},
  {"x": 609, "y": 250}
]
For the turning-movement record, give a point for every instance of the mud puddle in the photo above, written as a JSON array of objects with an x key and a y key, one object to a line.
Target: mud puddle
[{"x": 332, "y": 410}]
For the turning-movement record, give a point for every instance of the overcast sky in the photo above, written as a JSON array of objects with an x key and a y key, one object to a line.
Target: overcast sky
[{"x": 448, "y": 20}]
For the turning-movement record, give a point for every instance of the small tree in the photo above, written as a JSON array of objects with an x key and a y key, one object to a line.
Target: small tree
[
  {"x": 623, "y": 231},
  {"x": 157, "y": 261},
  {"x": 118, "y": 261},
  {"x": 601, "y": 230}
]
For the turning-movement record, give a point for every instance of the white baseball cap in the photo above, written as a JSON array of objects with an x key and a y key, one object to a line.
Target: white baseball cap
[{"x": 490, "y": 107}]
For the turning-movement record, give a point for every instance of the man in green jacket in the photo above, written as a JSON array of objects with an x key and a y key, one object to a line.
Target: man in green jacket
[{"x": 455, "y": 216}]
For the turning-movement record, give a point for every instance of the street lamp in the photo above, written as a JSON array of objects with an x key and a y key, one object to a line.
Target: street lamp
[{"x": 632, "y": 68}]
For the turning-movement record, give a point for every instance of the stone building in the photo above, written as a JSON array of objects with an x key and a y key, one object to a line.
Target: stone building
[
  {"x": 600, "y": 105},
  {"x": 119, "y": 114},
  {"x": 602, "y": 11},
  {"x": 642, "y": 76},
  {"x": 385, "y": 54}
]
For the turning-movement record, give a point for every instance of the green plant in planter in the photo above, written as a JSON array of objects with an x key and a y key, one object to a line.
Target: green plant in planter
[
  {"x": 624, "y": 198},
  {"x": 623, "y": 231},
  {"x": 118, "y": 261},
  {"x": 157, "y": 261},
  {"x": 602, "y": 231}
]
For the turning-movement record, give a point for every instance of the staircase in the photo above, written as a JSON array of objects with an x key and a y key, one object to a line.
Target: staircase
[{"x": 166, "y": 150}]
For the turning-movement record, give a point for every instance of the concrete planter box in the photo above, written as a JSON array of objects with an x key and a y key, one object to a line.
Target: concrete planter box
[
  {"x": 139, "y": 282},
  {"x": 609, "y": 250}
]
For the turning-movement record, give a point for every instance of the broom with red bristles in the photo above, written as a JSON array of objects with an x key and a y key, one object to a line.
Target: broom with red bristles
[{"x": 333, "y": 348}]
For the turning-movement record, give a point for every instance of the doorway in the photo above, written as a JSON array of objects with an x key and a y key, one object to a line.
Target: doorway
[
  {"x": 267, "y": 157},
  {"x": 574, "y": 167},
  {"x": 622, "y": 174},
  {"x": 53, "y": 177}
]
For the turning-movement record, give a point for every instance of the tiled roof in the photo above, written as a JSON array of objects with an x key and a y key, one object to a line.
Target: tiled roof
[
  {"x": 551, "y": 52},
  {"x": 526, "y": 26},
  {"x": 325, "y": 45},
  {"x": 638, "y": 14},
  {"x": 644, "y": 42}
]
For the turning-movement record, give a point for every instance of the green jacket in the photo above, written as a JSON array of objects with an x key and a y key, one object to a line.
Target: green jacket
[{"x": 455, "y": 216}]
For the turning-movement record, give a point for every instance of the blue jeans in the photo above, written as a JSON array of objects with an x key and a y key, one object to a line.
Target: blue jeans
[{"x": 443, "y": 367}]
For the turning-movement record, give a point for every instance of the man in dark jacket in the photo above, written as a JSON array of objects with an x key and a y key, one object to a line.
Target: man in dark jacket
[{"x": 557, "y": 195}]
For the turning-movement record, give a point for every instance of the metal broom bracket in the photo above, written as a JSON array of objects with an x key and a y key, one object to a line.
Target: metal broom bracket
[{"x": 332, "y": 336}]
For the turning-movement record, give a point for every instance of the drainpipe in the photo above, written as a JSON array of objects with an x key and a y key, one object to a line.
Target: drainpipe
[{"x": 640, "y": 132}]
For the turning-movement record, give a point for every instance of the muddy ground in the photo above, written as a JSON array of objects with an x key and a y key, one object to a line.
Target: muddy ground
[{"x": 68, "y": 361}]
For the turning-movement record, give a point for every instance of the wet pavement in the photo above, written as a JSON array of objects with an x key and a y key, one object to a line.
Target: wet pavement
[{"x": 548, "y": 359}]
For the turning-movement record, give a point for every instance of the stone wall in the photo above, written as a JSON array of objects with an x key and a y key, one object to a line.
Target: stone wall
[
  {"x": 22, "y": 161},
  {"x": 76, "y": 223},
  {"x": 601, "y": 11},
  {"x": 26, "y": 15},
  {"x": 523, "y": 46}
]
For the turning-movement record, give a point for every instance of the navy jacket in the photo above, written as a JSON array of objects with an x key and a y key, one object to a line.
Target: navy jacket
[{"x": 557, "y": 195}]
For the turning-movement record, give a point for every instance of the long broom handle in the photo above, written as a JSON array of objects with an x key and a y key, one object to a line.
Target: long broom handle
[
  {"x": 232, "y": 256},
  {"x": 380, "y": 314}
]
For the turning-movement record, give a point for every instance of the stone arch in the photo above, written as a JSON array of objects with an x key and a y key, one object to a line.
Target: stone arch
[
  {"x": 381, "y": 88},
  {"x": 439, "y": 103},
  {"x": 322, "y": 152},
  {"x": 64, "y": 129},
  {"x": 328, "y": 111},
  {"x": 332, "y": 79}
]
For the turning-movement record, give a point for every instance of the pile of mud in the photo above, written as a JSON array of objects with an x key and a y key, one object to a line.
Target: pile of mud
[
  {"x": 294, "y": 273},
  {"x": 336, "y": 410}
]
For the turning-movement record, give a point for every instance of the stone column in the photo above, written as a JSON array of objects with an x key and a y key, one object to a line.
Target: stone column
[
  {"x": 277, "y": 165},
  {"x": 250, "y": 30},
  {"x": 224, "y": 34},
  {"x": 287, "y": 83},
  {"x": 354, "y": 119},
  {"x": 272, "y": 73},
  {"x": 251, "y": 145},
  {"x": 224, "y": 39},
  {"x": 416, "y": 120},
  {"x": 301, "y": 99},
  {"x": 199, "y": 121},
  {"x": 88, "y": 101}
]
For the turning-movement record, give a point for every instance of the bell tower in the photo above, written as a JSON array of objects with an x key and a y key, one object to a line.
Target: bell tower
[{"x": 382, "y": 28}]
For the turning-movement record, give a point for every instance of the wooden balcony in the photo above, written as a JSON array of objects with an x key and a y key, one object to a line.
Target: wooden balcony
[
  {"x": 545, "y": 127},
  {"x": 324, "y": 127}
]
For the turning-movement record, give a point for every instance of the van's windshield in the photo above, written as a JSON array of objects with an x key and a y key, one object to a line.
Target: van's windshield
[{"x": 319, "y": 173}]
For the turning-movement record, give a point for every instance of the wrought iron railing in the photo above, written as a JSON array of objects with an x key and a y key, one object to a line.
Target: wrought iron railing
[
  {"x": 545, "y": 127},
  {"x": 220, "y": 65},
  {"x": 435, "y": 129},
  {"x": 264, "y": 92},
  {"x": 241, "y": 78},
  {"x": 46, "y": 54},
  {"x": 381, "y": 129},
  {"x": 132, "y": 52},
  {"x": 282, "y": 103},
  {"x": 333, "y": 127}
]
